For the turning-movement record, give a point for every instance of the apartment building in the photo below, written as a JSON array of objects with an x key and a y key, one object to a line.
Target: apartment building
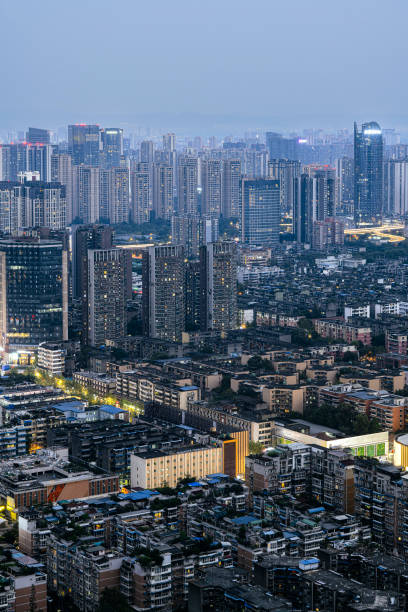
[{"x": 155, "y": 469}]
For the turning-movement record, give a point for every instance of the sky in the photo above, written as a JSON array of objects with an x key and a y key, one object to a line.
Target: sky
[{"x": 204, "y": 67}]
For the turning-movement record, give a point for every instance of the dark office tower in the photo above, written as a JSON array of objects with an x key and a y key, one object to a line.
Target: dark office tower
[
  {"x": 112, "y": 147},
  {"x": 86, "y": 194},
  {"x": 280, "y": 147},
  {"x": 368, "y": 173},
  {"x": 218, "y": 273},
  {"x": 285, "y": 171},
  {"x": 345, "y": 184},
  {"x": 119, "y": 195},
  {"x": 140, "y": 200},
  {"x": 146, "y": 152},
  {"x": 396, "y": 188},
  {"x": 303, "y": 210},
  {"x": 62, "y": 172},
  {"x": 187, "y": 183},
  {"x": 39, "y": 160},
  {"x": 193, "y": 295},
  {"x": 38, "y": 136},
  {"x": 163, "y": 196},
  {"x": 106, "y": 295},
  {"x": 211, "y": 185},
  {"x": 260, "y": 212},
  {"x": 231, "y": 190},
  {"x": 324, "y": 194},
  {"x": 163, "y": 278},
  {"x": 34, "y": 293},
  {"x": 169, "y": 142},
  {"x": 84, "y": 144}
]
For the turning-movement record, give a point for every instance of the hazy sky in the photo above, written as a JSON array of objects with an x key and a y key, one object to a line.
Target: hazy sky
[{"x": 205, "y": 66}]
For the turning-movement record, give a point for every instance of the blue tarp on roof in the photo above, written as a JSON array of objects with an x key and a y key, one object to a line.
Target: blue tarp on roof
[
  {"x": 310, "y": 561},
  {"x": 315, "y": 510},
  {"x": 189, "y": 388},
  {"x": 111, "y": 409},
  {"x": 138, "y": 495},
  {"x": 244, "y": 520}
]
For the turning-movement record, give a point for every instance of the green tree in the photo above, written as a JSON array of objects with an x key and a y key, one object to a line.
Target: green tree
[
  {"x": 112, "y": 599},
  {"x": 255, "y": 448}
]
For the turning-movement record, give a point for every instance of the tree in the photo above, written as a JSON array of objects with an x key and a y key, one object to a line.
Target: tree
[
  {"x": 361, "y": 425},
  {"x": 306, "y": 324},
  {"x": 242, "y": 534},
  {"x": 112, "y": 599},
  {"x": 247, "y": 390},
  {"x": 258, "y": 363},
  {"x": 255, "y": 448}
]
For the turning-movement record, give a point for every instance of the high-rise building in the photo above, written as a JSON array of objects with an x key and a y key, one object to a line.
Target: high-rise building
[
  {"x": 285, "y": 171},
  {"x": 85, "y": 238},
  {"x": 324, "y": 191},
  {"x": 303, "y": 211},
  {"x": 44, "y": 205},
  {"x": 191, "y": 231},
  {"x": 38, "y": 136},
  {"x": 169, "y": 142},
  {"x": 34, "y": 291},
  {"x": 106, "y": 295},
  {"x": 14, "y": 159},
  {"x": 329, "y": 232},
  {"x": 187, "y": 183},
  {"x": 345, "y": 184},
  {"x": 119, "y": 195},
  {"x": 163, "y": 277},
  {"x": 260, "y": 217},
  {"x": 32, "y": 204},
  {"x": 396, "y": 188},
  {"x": 11, "y": 206},
  {"x": 186, "y": 230},
  {"x": 62, "y": 172},
  {"x": 140, "y": 199},
  {"x": 255, "y": 162},
  {"x": 147, "y": 152},
  {"x": 368, "y": 173},
  {"x": 163, "y": 196},
  {"x": 280, "y": 147},
  {"x": 39, "y": 160},
  {"x": 86, "y": 194},
  {"x": 193, "y": 295},
  {"x": 218, "y": 274},
  {"x": 23, "y": 157},
  {"x": 84, "y": 144},
  {"x": 112, "y": 147},
  {"x": 211, "y": 185},
  {"x": 231, "y": 188}
]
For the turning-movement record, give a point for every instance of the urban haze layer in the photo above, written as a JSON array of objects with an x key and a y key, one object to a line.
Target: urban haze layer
[{"x": 204, "y": 371}]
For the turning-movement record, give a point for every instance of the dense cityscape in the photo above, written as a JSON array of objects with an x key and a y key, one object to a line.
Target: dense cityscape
[
  {"x": 203, "y": 306},
  {"x": 201, "y": 409}
]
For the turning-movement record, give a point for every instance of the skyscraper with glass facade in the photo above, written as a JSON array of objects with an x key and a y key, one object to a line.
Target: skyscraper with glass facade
[
  {"x": 368, "y": 173},
  {"x": 260, "y": 211},
  {"x": 34, "y": 293}
]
